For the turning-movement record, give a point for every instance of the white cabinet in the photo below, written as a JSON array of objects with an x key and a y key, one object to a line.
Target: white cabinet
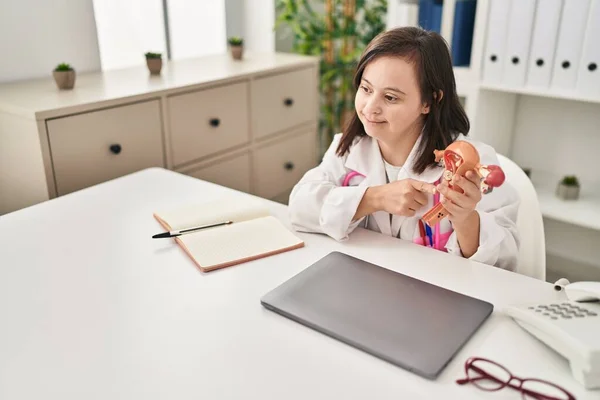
[
  {"x": 282, "y": 101},
  {"x": 278, "y": 166},
  {"x": 94, "y": 147},
  {"x": 250, "y": 125},
  {"x": 233, "y": 172},
  {"x": 208, "y": 121}
]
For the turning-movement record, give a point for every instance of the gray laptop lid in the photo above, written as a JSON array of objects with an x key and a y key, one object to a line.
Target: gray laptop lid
[{"x": 410, "y": 323}]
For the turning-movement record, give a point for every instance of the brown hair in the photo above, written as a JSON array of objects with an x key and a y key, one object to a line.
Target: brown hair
[{"x": 429, "y": 54}]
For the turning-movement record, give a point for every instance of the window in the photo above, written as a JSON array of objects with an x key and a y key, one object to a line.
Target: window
[
  {"x": 196, "y": 28},
  {"x": 127, "y": 29},
  {"x": 178, "y": 29}
]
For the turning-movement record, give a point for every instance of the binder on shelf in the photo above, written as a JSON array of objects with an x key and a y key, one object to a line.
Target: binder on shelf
[
  {"x": 430, "y": 15},
  {"x": 462, "y": 32},
  {"x": 543, "y": 43},
  {"x": 588, "y": 78},
  {"x": 569, "y": 44},
  {"x": 518, "y": 41},
  {"x": 495, "y": 40}
]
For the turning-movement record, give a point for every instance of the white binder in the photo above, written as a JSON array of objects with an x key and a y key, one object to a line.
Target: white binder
[
  {"x": 495, "y": 40},
  {"x": 543, "y": 42},
  {"x": 569, "y": 44},
  {"x": 518, "y": 41},
  {"x": 402, "y": 13},
  {"x": 588, "y": 78}
]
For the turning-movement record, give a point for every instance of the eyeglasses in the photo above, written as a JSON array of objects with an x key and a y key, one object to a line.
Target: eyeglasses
[{"x": 491, "y": 376}]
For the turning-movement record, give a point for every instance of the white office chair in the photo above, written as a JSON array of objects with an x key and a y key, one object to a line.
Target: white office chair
[{"x": 532, "y": 252}]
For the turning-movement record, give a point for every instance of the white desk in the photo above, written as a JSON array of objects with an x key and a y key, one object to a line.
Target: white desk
[{"x": 92, "y": 308}]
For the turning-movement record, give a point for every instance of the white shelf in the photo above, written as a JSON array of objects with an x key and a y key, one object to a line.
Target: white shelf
[
  {"x": 584, "y": 212},
  {"x": 539, "y": 92}
]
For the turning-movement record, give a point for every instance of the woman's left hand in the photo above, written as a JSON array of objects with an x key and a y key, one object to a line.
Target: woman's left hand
[{"x": 461, "y": 206}]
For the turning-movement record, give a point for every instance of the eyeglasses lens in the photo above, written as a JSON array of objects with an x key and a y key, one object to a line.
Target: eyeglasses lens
[
  {"x": 487, "y": 376},
  {"x": 531, "y": 388}
]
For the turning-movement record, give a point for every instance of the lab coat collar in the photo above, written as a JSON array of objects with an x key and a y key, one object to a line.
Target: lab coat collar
[{"x": 365, "y": 158}]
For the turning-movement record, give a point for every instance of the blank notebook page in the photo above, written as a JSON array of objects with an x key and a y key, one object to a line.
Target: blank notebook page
[
  {"x": 213, "y": 212},
  {"x": 239, "y": 241}
]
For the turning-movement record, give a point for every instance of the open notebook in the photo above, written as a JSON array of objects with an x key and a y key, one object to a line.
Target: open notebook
[{"x": 253, "y": 234}]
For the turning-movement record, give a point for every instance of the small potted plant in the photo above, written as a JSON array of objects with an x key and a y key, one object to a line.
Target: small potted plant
[
  {"x": 568, "y": 188},
  {"x": 64, "y": 76},
  {"x": 154, "y": 62},
  {"x": 236, "y": 44}
]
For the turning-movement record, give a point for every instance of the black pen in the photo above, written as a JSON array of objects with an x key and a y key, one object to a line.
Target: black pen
[{"x": 187, "y": 230}]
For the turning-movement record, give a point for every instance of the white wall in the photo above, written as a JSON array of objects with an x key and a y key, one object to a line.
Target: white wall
[{"x": 36, "y": 35}]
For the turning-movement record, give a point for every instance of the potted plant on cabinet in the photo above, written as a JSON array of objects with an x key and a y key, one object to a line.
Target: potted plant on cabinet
[
  {"x": 236, "y": 44},
  {"x": 64, "y": 76},
  {"x": 154, "y": 62},
  {"x": 568, "y": 188}
]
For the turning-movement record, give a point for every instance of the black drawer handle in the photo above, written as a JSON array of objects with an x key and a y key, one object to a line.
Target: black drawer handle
[
  {"x": 215, "y": 122},
  {"x": 288, "y": 102},
  {"x": 115, "y": 148},
  {"x": 566, "y": 64},
  {"x": 494, "y": 58},
  {"x": 515, "y": 60},
  {"x": 539, "y": 62},
  {"x": 288, "y": 165},
  {"x": 592, "y": 67}
]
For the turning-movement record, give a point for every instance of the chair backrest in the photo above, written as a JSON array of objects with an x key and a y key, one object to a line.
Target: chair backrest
[{"x": 532, "y": 251}]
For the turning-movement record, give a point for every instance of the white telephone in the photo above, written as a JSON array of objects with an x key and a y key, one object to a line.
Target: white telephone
[{"x": 572, "y": 328}]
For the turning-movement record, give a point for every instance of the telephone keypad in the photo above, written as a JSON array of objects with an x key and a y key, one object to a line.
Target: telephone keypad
[{"x": 562, "y": 311}]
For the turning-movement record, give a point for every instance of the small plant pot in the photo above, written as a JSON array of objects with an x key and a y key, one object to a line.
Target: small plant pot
[
  {"x": 237, "y": 52},
  {"x": 65, "y": 80},
  {"x": 567, "y": 192},
  {"x": 154, "y": 65}
]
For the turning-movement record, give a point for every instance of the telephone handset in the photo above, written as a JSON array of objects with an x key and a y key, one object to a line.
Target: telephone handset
[{"x": 571, "y": 327}]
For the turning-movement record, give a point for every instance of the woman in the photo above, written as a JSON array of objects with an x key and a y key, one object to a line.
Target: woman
[{"x": 406, "y": 107}]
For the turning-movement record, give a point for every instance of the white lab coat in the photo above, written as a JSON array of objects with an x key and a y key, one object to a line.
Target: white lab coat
[{"x": 319, "y": 203}]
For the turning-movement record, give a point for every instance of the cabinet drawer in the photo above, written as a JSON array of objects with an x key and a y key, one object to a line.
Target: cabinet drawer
[
  {"x": 283, "y": 101},
  {"x": 208, "y": 121},
  {"x": 232, "y": 173},
  {"x": 284, "y": 197},
  {"x": 94, "y": 147},
  {"x": 278, "y": 167}
]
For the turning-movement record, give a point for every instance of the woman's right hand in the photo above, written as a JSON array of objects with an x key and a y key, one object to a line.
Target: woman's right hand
[{"x": 403, "y": 197}]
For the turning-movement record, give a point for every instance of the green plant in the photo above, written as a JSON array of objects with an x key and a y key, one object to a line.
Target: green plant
[
  {"x": 338, "y": 36},
  {"x": 235, "y": 41},
  {"x": 570, "y": 180},
  {"x": 153, "y": 55},
  {"x": 63, "y": 67}
]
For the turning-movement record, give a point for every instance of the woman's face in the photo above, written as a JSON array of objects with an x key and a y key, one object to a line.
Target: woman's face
[{"x": 388, "y": 101}]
